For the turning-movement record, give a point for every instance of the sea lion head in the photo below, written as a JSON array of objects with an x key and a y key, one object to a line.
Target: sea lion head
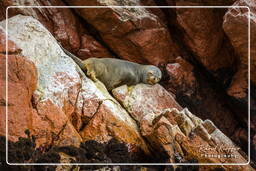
[{"x": 151, "y": 74}]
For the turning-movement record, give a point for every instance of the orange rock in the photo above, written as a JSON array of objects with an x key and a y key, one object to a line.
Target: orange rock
[
  {"x": 105, "y": 125},
  {"x": 22, "y": 79},
  {"x": 67, "y": 105},
  {"x": 176, "y": 134}
]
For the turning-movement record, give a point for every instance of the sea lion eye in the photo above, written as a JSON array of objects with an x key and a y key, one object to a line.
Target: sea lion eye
[{"x": 150, "y": 73}]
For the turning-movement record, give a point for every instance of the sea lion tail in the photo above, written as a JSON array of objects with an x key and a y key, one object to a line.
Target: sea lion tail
[{"x": 78, "y": 61}]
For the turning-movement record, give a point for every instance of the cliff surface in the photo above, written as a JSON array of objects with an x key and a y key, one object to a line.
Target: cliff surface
[{"x": 198, "y": 113}]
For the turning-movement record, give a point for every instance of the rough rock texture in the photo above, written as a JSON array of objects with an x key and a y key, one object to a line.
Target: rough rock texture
[
  {"x": 239, "y": 39},
  {"x": 64, "y": 96},
  {"x": 92, "y": 48},
  {"x": 61, "y": 22},
  {"x": 132, "y": 34},
  {"x": 204, "y": 71},
  {"x": 238, "y": 36},
  {"x": 156, "y": 11},
  {"x": 181, "y": 77},
  {"x": 204, "y": 37},
  {"x": 22, "y": 78},
  {"x": 46, "y": 123},
  {"x": 198, "y": 94},
  {"x": 178, "y": 134},
  {"x": 133, "y": 99}
]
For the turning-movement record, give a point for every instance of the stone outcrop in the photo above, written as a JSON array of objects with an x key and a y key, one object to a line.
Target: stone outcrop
[
  {"x": 184, "y": 81},
  {"x": 204, "y": 37},
  {"x": 239, "y": 39},
  {"x": 61, "y": 22},
  {"x": 177, "y": 133},
  {"x": 196, "y": 114},
  {"x": 133, "y": 34},
  {"x": 238, "y": 36},
  {"x": 22, "y": 78},
  {"x": 65, "y": 99}
]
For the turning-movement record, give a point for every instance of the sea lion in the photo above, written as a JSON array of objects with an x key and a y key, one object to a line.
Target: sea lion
[{"x": 116, "y": 72}]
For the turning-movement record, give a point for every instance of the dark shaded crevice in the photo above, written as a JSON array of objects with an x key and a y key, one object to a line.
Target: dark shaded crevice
[
  {"x": 113, "y": 151},
  {"x": 85, "y": 121},
  {"x": 177, "y": 33},
  {"x": 206, "y": 79},
  {"x": 92, "y": 32},
  {"x": 253, "y": 99}
]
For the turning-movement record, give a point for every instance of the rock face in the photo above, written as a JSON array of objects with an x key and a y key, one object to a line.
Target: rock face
[
  {"x": 22, "y": 78},
  {"x": 204, "y": 37},
  {"x": 132, "y": 34},
  {"x": 196, "y": 114},
  {"x": 62, "y": 23},
  {"x": 64, "y": 97},
  {"x": 92, "y": 48},
  {"x": 238, "y": 36},
  {"x": 239, "y": 40},
  {"x": 196, "y": 93},
  {"x": 173, "y": 132}
]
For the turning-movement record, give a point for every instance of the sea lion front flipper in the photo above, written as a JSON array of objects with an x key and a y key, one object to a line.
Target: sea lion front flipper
[{"x": 92, "y": 75}]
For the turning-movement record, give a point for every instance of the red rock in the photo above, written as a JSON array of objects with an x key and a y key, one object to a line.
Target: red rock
[
  {"x": 133, "y": 99},
  {"x": 201, "y": 33},
  {"x": 67, "y": 106},
  {"x": 239, "y": 40},
  {"x": 133, "y": 34},
  {"x": 62, "y": 23},
  {"x": 44, "y": 120},
  {"x": 172, "y": 132},
  {"x": 196, "y": 93},
  {"x": 22, "y": 78},
  {"x": 91, "y": 48},
  {"x": 182, "y": 78},
  {"x": 156, "y": 11},
  {"x": 208, "y": 2},
  {"x": 238, "y": 36}
]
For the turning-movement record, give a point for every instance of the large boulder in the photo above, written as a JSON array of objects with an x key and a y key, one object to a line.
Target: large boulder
[
  {"x": 195, "y": 92},
  {"x": 203, "y": 37},
  {"x": 236, "y": 26},
  {"x": 61, "y": 22},
  {"x": 67, "y": 107},
  {"x": 133, "y": 34},
  {"x": 238, "y": 36},
  {"x": 174, "y": 132},
  {"x": 22, "y": 78}
]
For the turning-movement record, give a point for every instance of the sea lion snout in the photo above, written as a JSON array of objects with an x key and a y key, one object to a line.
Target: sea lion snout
[{"x": 153, "y": 74}]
